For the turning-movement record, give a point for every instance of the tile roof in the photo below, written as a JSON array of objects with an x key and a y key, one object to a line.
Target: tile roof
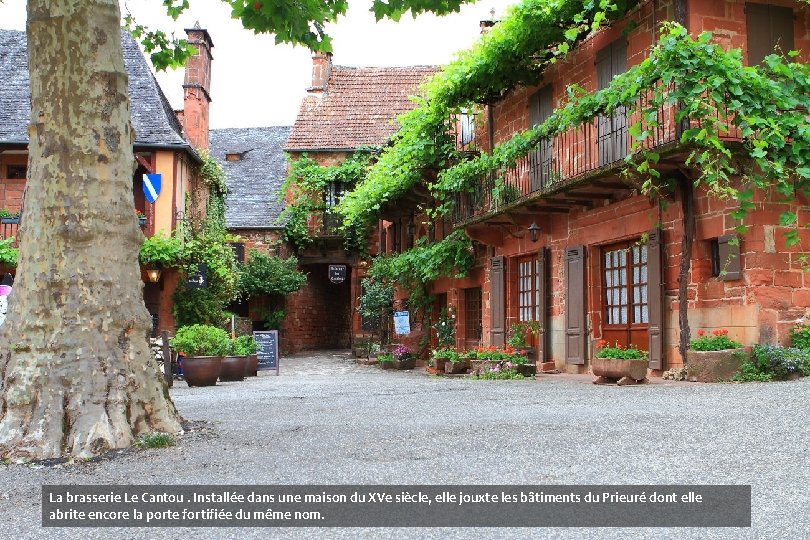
[
  {"x": 358, "y": 109},
  {"x": 254, "y": 182},
  {"x": 152, "y": 117}
]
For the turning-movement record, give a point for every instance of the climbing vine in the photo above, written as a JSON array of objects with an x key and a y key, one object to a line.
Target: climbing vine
[
  {"x": 533, "y": 35},
  {"x": 305, "y": 187},
  {"x": 205, "y": 242},
  {"x": 770, "y": 104},
  {"x": 412, "y": 270}
]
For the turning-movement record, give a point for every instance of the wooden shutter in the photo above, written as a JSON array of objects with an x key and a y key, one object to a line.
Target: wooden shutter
[
  {"x": 238, "y": 251},
  {"x": 767, "y": 28},
  {"x": 541, "y": 105},
  {"x": 544, "y": 337},
  {"x": 575, "y": 305},
  {"x": 497, "y": 317},
  {"x": 655, "y": 298},
  {"x": 618, "y": 66},
  {"x": 728, "y": 255},
  {"x": 604, "y": 74}
]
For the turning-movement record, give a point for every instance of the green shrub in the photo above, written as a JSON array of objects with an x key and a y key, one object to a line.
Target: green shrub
[
  {"x": 446, "y": 354},
  {"x": 519, "y": 333},
  {"x": 800, "y": 336},
  {"x": 385, "y": 357},
  {"x": 500, "y": 373},
  {"x": 446, "y": 329},
  {"x": 769, "y": 362},
  {"x": 201, "y": 340},
  {"x": 8, "y": 253},
  {"x": 162, "y": 250},
  {"x": 245, "y": 346},
  {"x": 265, "y": 274}
]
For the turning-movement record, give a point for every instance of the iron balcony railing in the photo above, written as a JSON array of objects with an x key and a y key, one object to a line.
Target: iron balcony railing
[
  {"x": 601, "y": 143},
  {"x": 325, "y": 223}
]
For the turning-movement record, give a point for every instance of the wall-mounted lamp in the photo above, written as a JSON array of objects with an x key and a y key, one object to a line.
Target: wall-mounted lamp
[
  {"x": 153, "y": 273},
  {"x": 534, "y": 230}
]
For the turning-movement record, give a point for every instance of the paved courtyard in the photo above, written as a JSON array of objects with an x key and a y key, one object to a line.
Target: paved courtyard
[{"x": 326, "y": 420}]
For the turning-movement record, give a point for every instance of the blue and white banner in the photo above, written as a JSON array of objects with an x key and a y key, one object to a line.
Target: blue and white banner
[
  {"x": 151, "y": 186},
  {"x": 402, "y": 323}
]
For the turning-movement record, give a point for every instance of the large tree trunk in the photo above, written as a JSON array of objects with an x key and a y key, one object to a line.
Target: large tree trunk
[{"x": 76, "y": 373}]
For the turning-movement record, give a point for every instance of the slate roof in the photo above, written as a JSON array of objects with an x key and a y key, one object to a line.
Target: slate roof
[
  {"x": 152, "y": 117},
  {"x": 359, "y": 107},
  {"x": 254, "y": 182}
]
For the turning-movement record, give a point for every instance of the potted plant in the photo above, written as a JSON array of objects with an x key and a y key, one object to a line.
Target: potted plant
[
  {"x": 141, "y": 218},
  {"x": 246, "y": 346},
  {"x": 386, "y": 360},
  {"x": 9, "y": 218},
  {"x": 440, "y": 357},
  {"x": 715, "y": 357},
  {"x": 202, "y": 348},
  {"x": 403, "y": 358},
  {"x": 612, "y": 363},
  {"x": 519, "y": 333}
]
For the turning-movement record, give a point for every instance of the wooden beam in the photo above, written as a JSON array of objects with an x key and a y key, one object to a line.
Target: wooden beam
[
  {"x": 588, "y": 194},
  {"x": 144, "y": 163}
]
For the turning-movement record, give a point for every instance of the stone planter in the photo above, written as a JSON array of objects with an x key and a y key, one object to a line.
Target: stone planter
[
  {"x": 252, "y": 365},
  {"x": 387, "y": 365},
  {"x": 406, "y": 363},
  {"x": 478, "y": 366},
  {"x": 233, "y": 368},
  {"x": 201, "y": 370},
  {"x": 452, "y": 368},
  {"x": 610, "y": 370},
  {"x": 714, "y": 366},
  {"x": 438, "y": 364},
  {"x": 527, "y": 370}
]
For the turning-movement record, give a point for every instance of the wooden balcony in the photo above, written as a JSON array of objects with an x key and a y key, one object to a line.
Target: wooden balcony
[{"x": 577, "y": 167}]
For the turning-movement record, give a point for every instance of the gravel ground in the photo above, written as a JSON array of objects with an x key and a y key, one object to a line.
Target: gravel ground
[{"x": 326, "y": 420}]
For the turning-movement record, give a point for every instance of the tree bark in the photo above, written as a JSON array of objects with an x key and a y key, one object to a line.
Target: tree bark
[
  {"x": 76, "y": 374},
  {"x": 688, "y": 214}
]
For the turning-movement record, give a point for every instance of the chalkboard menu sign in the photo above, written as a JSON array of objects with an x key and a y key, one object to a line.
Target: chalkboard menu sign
[{"x": 268, "y": 349}]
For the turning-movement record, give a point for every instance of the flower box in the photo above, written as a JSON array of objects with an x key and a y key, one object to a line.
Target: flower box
[
  {"x": 714, "y": 366},
  {"x": 621, "y": 370}
]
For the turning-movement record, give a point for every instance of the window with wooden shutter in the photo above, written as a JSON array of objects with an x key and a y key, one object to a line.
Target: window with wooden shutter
[
  {"x": 612, "y": 139},
  {"x": 575, "y": 330},
  {"x": 497, "y": 319},
  {"x": 770, "y": 28},
  {"x": 541, "y": 105},
  {"x": 726, "y": 258},
  {"x": 655, "y": 291}
]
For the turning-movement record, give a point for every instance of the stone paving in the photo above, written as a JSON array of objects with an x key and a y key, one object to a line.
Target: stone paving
[{"x": 327, "y": 420}]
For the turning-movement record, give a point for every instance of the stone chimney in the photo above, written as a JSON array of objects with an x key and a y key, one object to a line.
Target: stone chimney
[
  {"x": 321, "y": 69},
  {"x": 197, "y": 87}
]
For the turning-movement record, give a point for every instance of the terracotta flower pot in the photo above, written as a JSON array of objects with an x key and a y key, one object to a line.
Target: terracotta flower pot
[
  {"x": 714, "y": 366},
  {"x": 612, "y": 369},
  {"x": 201, "y": 370},
  {"x": 252, "y": 365},
  {"x": 233, "y": 368}
]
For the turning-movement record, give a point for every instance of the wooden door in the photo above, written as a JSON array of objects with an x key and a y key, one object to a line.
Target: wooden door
[{"x": 626, "y": 305}]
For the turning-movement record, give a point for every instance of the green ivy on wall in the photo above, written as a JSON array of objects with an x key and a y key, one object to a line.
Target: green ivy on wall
[{"x": 305, "y": 186}]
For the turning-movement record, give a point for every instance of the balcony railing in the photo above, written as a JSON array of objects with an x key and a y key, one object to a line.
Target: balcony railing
[
  {"x": 325, "y": 223},
  {"x": 599, "y": 144},
  {"x": 8, "y": 229}
]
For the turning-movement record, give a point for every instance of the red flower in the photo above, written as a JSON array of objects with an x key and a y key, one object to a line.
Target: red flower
[
  {"x": 701, "y": 332},
  {"x": 601, "y": 343},
  {"x": 715, "y": 332},
  {"x": 724, "y": 332}
]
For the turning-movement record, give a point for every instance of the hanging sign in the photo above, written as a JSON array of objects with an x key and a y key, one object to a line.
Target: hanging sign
[
  {"x": 199, "y": 278},
  {"x": 337, "y": 273},
  {"x": 151, "y": 186},
  {"x": 402, "y": 322}
]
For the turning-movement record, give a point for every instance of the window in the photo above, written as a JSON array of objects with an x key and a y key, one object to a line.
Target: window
[
  {"x": 238, "y": 251},
  {"x": 625, "y": 281},
  {"x": 331, "y": 197},
  {"x": 16, "y": 172},
  {"x": 725, "y": 254},
  {"x": 472, "y": 315},
  {"x": 768, "y": 27},
  {"x": 528, "y": 289},
  {"x": 466, "y": 121}
]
